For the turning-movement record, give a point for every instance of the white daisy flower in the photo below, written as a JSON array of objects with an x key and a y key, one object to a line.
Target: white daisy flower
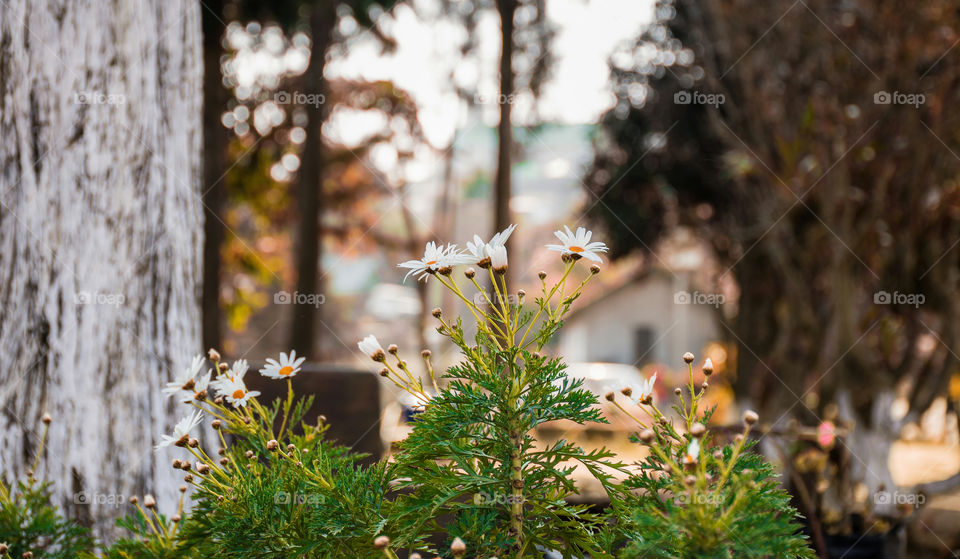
[
  {"x": 236, "y": 372},
  {"x": 480, "y": 251},
  {"x": 181, "y": 432},
  {"x": 235, "y": 391},
  {"x": 498, "y": 257},
  {"x": 186, "y": 379},
  {"x": 287, "y": 367},
  {"x": 645, "y": 395},
  {"x": 578, "y": 245},
  {"x": 239, "y": 368},
  {"x": 693, "y": 452},
  {"x": 436, "y": 258},
  {"x": 372, "y": 348},
  {"x": 200, "y": 387}
]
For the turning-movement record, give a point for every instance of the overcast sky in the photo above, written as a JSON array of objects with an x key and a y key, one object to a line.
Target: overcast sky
[{"x": 577, "y": 90}]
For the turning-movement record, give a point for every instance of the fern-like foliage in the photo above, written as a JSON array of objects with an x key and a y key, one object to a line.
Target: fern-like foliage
[
  {"x": 691, "y": 501},
  {"x": 30, "y": 524}
]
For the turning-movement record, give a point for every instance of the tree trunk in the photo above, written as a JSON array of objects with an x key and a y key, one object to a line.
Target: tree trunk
[
  {"x": 100, "y": 239},
  {"x": 215, "y": 139},
  {"x": 310, "y": 190},
  {"x": 506, "y": 9}
]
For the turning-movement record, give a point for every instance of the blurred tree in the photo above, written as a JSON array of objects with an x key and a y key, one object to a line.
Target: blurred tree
[
  {"x": 525, "y": 37},
  {"x": 826, "y": 180},
  {"x": 215, "y": 139},
  {"x": 319, "y": 20},
  {"x": 100, "y": 229}
]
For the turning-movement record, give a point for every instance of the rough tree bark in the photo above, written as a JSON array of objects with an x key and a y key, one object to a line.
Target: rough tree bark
[{"x": 100, "y": 239}]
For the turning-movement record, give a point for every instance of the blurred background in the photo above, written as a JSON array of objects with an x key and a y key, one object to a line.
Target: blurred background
[{"x": 779, "y": 184}]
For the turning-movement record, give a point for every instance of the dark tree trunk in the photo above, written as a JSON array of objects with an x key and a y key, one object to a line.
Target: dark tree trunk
[
  {"x": 215, "y": 138},
  {"x": 506, "y": 9},
  {"x": 310, "y": 191}
]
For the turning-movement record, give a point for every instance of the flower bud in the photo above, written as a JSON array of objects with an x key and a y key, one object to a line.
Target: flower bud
[
  {"x": 437, "y": 313},
  {"x": 470, "y": 272},
  {"x": 216, "y": 424},
  {"x": 690, "y": 480},
  {"x": 175, "y": 518},
  {"x": 609, "y": 396},
  {"x": 750, "y": 417},
  {"x": 384, "y": 372},
  {"x": 213, "y": 354},
  {"x": 202, "y": 468},
  {"x": 193, "y": 442},
  {"x": 594, "y": 269},
  {"x": 224, "y": 461},
  {"x": 188, "y": 478},
  {"x": 4, "y": 547},
  {"x": 248, "y": 454},
  {"x": 708, "y": 367},
  {"x": 697, "y": 429},
  {"x": 647, "y": 435},
  {"x": 393, "y": 349},
  {"x": 677, "y": 391},
  {"x": 46, "y": 419},
  {"x": 27, "y": 555},
  {"x": 542, "y": 275},
  {"x": 626, "y": 391},
  {"x": 149, "y": 501},
  {"x": 426, "y": 354},
  {"x": 272, "y": 444},
  {"x": 290, "y": 447},
  {"x": 688, "y": 357},
  {"x": 176, "y": 463},
  {"x": 223, "y": 367},
  {"x": 182, "y": 488},
  {"x": 381, "y": 542},
  {"x": 521, "y": 294},
  {"x": 133, "y": 500},
  {"x": 458, "y": 547}
]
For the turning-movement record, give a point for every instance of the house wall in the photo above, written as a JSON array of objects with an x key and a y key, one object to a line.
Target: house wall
[{"x": 607, "y": 329}]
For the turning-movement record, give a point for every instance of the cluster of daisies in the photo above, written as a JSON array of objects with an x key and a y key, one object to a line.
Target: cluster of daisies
[
  {"x": 190, "y": 386},
  {"x": 440, "y": 259}
]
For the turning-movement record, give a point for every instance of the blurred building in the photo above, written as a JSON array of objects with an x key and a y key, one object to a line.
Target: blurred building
[{"x": 651, "y": 317}]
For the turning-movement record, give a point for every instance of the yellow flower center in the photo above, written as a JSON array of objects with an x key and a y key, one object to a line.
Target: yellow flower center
[
  {"x": 576, "y": 249},
  {"x": 431, "y": 263},
  {"x": 237, "y": 394},
  {"x": 286, "y": 370}
]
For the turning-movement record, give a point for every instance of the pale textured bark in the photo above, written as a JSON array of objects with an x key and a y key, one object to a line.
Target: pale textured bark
[{"x": 100, "y": 108}]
